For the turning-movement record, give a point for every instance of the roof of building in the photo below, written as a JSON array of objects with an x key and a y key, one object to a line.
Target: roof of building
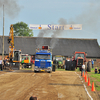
[{"x": 60, "y": 46}]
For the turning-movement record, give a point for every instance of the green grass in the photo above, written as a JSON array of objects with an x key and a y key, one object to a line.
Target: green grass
[
  {"x": 77, "y": 69},
  {"x": 60, "y": 69},
  {"x": 97, "y": 78},
  {"x": 93, "y": 75},
  {"x": 98, "y": 88}
]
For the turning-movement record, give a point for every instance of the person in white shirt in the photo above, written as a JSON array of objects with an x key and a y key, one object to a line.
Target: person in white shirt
[
  {"x": 1, "y": 63},
  {"x": 83, "y": 69}
]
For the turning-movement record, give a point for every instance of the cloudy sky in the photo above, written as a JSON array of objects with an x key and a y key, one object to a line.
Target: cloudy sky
[{"x": 85, "y": 12}]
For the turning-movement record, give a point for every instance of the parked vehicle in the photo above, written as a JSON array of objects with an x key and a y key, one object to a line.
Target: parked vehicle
[
  {"x": 43, "y": 59},
  {"x": 26, "y": 60},
  {"x": 59, "y": 61},
  {"x": 77, "y": 61}
]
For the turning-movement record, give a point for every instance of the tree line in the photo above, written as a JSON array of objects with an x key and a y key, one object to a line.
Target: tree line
[{"x": 22, "y": 29}]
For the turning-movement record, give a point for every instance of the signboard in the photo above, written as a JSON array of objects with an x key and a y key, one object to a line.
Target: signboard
[{"x": 56, "y": 27}]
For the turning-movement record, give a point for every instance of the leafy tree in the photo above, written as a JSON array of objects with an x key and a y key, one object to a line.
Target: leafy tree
[{"x": 22, "y": 29}]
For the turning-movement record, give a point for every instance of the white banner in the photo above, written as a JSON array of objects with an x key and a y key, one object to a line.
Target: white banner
[{"x": 56, "y": 27}]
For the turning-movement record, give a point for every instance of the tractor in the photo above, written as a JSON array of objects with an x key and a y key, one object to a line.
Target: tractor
[
  {"x": 59, "y": 61},
  {"x": 77, "y": 61}
]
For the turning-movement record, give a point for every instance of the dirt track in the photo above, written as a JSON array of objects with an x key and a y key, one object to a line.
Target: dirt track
[{"x": 59, "y": 85}]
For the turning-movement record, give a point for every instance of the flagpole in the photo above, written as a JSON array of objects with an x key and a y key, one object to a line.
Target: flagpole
[{"x": 3, "y": 37}]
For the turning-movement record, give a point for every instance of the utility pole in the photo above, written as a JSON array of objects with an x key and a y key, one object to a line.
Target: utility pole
[{"x": 3, "y": 37}]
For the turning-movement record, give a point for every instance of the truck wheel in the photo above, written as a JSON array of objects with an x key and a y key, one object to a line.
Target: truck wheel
[
  {"x": 80, "y": 69},
  {"x": 53, "y": 68},
  {"x": 67, "y": 68},
  {"x": 35, "y": 71},
  {"x": 73, "y": 65},
  {"x": 85, "y": 66},
  {"x": 89, "y": 66},
  {"x": 68, "y": 65},
  {"x": 50, "y": 72},
  {"x": 58, "y": 66}
]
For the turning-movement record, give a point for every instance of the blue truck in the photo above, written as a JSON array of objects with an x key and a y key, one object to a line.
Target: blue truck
[{"x": 43, "y": 60}]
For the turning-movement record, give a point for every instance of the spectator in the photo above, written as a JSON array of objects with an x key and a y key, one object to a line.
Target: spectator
[
  {"x": 65, "y": 62},
  {"x": 33, "y": 98},
  {"x": 99, "y": 70},
  {"x": 92, "y": 63},
  {"x": 96, "y": 70},
  {"x": 54, "y": 61},
  {"x": 83, "y": 69},
  {"x": 1, "y": 63},
  {"x": 4, "y": 62}
]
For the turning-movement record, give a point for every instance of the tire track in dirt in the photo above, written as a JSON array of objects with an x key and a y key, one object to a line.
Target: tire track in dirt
[
  {"x": 36, "y": 80},
  {"x": 70, "y": 85},
  {"x": 15, "y": 86},
  {"x": 40, "y": 88},
  {"x": 59, "y": 85}
]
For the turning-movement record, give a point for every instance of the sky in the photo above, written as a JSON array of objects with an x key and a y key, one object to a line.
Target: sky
[{"x": 85, "y": 12}]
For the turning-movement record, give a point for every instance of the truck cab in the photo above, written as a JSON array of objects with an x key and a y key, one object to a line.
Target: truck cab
[{"x": 43, "y": 60}]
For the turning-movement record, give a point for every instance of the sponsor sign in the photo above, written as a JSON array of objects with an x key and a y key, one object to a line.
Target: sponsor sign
[{"x": 56, "y": 27}]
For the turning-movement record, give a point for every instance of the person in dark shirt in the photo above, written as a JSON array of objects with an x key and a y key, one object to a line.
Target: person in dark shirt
[
  {"x": 96, "y": 70},
  {"x": 1, "y": 63},
  {"x": 99, "y": 70},
  {"x": 4, "y": 62}
]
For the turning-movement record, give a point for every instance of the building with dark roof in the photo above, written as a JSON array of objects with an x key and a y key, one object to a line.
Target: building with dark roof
[{"x": 60, "y": 46}]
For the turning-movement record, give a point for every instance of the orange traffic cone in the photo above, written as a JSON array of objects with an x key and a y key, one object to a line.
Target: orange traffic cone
[
  {"x": 89, "y": 84},
  {"x": 86, "y": 72},
  {"x": 93, "y": 88},
  {"x": 83, "y": 74},
  {"x": 85, "y": 78}
]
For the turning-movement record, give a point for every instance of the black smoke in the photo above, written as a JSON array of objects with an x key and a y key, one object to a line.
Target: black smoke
[{"x": 11, "y": 8}]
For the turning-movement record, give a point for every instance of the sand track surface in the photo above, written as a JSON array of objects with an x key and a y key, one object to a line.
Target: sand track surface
[{"x": 59, "y": 85}]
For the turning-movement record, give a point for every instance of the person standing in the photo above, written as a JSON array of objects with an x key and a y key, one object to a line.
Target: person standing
[
  {"x": 1, "y": 63},
  {"x": 92, "y": 63},
  {"x": 99, "y": 70},
  {"x": 4, "y": 62},
  {"x": 83, "y": 69}
]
